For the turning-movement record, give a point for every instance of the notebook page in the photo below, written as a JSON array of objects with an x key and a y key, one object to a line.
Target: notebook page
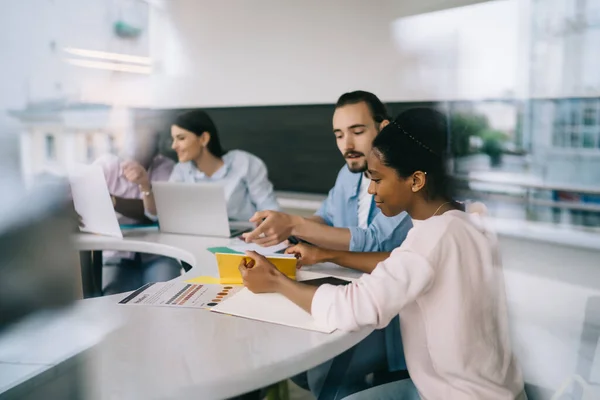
[{"x": 269, "y": 307}]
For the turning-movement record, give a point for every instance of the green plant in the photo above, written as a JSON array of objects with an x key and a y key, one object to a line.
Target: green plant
[
  {"x": 462, "y": 127},
  {"x": 493, "y": 144}
]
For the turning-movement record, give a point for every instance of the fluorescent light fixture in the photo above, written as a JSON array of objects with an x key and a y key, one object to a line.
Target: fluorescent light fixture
[
  {"x": 136, "y": 69},
  {"x": 102, "y": 55}
]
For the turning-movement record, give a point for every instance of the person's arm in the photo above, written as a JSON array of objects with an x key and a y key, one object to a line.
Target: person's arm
[
  {"x": 376, "y": 298},
  {"x": 310, "y": 255},
  {"x": 300, "y": 294},
  {"x": 275, "y": 227},
  {"x": 373, "y": 300},
  {"x": 317, "y": 219},
  {"x": 149, "y": 202},
  {"x": 365, "y": 262},
  {"x": 160, "y": 172},
  {"x": 383, "y": 234},
  {"x": 135, "y": 173},
  {"x": 322, "y": 235},
  {"x": 260, "y": 187}
]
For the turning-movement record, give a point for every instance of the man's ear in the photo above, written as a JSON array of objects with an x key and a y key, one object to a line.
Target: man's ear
[{"x": 383, "y": 124}]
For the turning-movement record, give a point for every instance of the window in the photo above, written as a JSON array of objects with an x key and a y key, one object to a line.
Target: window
[
  {"x": 591, "y": 123},
  {"x": 50, "y": 144},
  {"x": 576, "y": 123}
]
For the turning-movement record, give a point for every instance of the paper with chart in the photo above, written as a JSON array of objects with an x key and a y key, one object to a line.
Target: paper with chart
[
  {"x": 269, "y": 307},
  {"x": 180, "y": 294}
]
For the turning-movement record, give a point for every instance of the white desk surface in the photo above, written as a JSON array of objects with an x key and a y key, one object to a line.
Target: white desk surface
[
  {"x": 547, "y": 322},
  {"x": 165, "y": 353},
  {"x": 154, "y": 352}
]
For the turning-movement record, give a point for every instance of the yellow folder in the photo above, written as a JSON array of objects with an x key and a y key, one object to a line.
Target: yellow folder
[{"x": 229, "y": 273}]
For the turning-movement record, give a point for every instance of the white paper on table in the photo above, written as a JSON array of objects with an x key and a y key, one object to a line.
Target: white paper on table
[
  {"x": 92, "y": 201},
  {"x": 269, "y": 307},
  {"x": 241, "y": 246}
]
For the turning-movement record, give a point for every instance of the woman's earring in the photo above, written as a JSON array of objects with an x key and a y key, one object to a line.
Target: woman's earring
[{"x": 414, "y": 189}]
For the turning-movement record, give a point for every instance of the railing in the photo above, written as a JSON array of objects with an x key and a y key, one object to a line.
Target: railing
[
  {"x": 307, "y": 201},
  {"x": 531, "y": 185},
  {"x": 527, "y": 197}
]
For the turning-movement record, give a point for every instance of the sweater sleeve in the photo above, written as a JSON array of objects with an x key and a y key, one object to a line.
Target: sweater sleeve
[{"x": 374, "y": 299}]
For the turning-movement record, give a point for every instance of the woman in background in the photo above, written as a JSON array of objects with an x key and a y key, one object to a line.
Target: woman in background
[
  {"x": 202, "y": 159},
  {"x": 445, "y": 280},
  {"x": 129, "y": 183}
]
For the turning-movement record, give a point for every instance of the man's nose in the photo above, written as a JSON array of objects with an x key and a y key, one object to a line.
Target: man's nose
[{"x": 349, "y": 144}]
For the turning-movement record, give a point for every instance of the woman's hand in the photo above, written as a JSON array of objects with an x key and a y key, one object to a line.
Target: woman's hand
[
  {"x": 259, "y": 274},
  {"x": 308, "y": 254}
]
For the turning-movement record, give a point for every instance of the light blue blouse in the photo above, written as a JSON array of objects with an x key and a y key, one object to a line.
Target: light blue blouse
[{"x": 244, "y": 177}]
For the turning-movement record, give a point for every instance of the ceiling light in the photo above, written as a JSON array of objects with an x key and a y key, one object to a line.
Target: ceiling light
[
  {"x": 136, "y": 69},
  {"x": 109, "y": 56}
]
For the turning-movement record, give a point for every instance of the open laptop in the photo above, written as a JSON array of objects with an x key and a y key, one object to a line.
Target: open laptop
[{"x": 195, "y": 209}]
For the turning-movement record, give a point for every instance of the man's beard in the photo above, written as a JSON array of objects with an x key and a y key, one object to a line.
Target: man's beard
[{"x": 355, "y": 165}]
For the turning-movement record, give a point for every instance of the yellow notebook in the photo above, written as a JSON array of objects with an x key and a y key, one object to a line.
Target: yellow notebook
[{"x": 229, "y": 273}]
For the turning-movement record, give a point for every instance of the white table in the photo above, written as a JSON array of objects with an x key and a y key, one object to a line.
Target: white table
[{"x": 154, "y": 352}]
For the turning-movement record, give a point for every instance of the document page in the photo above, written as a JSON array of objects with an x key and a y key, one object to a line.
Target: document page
[{"x": 180, "y": 294}]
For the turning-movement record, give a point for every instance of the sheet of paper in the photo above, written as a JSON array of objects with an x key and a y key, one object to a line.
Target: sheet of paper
[
  {"x": 180, "y": 294},
  {"x": 269, "y": 307},
  {"x": 92, "y": 201},
  {"x": 330, "y": 269},
  {"x": 241, "y": 246}
]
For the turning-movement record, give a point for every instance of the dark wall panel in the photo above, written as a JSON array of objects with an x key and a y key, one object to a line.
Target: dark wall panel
[{"x": 296, "y": 142}]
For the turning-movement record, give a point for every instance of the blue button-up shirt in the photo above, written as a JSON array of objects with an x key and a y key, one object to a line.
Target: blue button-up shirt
[
  {"x": 340, "y": 210},
  {"x": 244, "y": 177}
]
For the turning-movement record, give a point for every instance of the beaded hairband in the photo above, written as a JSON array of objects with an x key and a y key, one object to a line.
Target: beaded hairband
[{"x": 414, "y": 139}]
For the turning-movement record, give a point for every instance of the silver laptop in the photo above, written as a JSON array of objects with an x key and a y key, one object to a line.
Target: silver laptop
[{"x": 195, "y": 209}]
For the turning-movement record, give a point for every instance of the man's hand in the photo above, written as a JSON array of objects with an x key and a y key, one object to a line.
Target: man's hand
[
  {"x": 307, "y": 254},
  {"x": 259, "y": 274},
  {"x": 272, "y": 228},
  {"x": 134, "y": 172}
]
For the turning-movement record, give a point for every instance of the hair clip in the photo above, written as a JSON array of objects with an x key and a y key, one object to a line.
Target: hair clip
[{"x": 414, "y": 139}]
